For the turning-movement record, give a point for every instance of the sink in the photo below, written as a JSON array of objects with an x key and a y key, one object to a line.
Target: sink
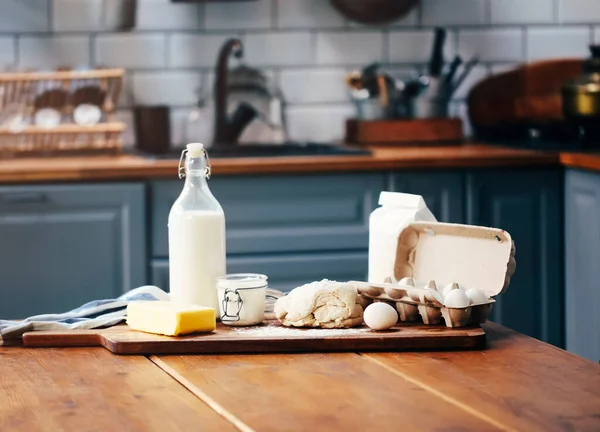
[{"x": 270, "y": 150}]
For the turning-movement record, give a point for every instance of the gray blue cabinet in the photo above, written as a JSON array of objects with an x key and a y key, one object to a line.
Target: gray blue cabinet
[
  {"x": 286, "y": 271},
  {"x": 295, "y": 229},
  {"x": 582, "y": 263},
  {"x": 527, "y": 204},
  {"x": 443, "y": 192},
  {"x": 282, "y": 214},
  {"x": 64, "y": 245}
]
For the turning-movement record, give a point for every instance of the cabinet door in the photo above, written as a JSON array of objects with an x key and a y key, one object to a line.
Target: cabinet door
[
  {"x": 64, "y": 245},
  {"x": 582, "y": 260},
  {"x": 443, "y": 192},
  {"x": 286, "y": 271},
  {"x": 270, "y": 214},
  {"x": 527, "y": 204}
]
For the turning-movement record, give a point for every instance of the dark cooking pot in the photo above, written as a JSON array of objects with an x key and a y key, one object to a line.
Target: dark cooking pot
[{"x": 581, "y": 95}]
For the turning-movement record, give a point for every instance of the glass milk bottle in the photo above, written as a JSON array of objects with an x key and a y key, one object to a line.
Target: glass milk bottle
[{"x": 196, "y": 235}]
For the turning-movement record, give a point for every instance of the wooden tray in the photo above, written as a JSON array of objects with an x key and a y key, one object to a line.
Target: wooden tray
[
  {"x": 433, "y": 131},
  {"x": 269, "y": 338}
]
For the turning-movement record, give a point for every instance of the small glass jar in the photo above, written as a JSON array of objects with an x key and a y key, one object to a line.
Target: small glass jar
[{"x": 242, "y": 298}]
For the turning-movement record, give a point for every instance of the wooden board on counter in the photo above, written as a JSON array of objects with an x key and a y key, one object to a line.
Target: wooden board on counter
[
  {"x": 269, "y": 338},
  {"x": 405, "y": 132}
]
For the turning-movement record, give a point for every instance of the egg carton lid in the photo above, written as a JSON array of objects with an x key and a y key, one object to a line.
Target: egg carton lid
[{"x": 474, "y": 256}]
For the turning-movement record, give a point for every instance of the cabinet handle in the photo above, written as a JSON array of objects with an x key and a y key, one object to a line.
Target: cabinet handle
[{"x": 24, "y": 198}]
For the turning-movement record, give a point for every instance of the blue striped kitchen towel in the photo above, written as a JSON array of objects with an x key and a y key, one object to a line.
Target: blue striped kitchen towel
[{"x": 95, "y": 314}]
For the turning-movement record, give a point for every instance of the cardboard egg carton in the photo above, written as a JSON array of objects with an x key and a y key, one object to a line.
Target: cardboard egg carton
[{"x": 435, "y": 254}]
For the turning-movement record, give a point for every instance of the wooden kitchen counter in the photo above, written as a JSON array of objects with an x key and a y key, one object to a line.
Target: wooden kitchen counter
[
  {"x": 588, "y": 161},
  {"x": 516, "y": 384},
  {"x": 128, "y": 167}
]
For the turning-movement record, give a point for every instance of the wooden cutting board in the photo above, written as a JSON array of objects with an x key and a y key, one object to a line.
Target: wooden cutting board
[{"x": 268, "y": 338}]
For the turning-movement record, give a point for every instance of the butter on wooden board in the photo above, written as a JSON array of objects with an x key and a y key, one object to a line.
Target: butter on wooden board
[{"x": 169, "y": 318}]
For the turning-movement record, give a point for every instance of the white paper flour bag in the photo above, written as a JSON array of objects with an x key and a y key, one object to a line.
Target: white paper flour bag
[{"x": 386, "y": 222}]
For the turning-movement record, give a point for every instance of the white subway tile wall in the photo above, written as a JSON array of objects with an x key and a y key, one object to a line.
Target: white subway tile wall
[
  {"x": 307, "y": 14},
  {"x": 190, "y": 50},
  {"x": 344, "y": 48},
  {"x": 522, "y": 12},
  {"x": 165, "y": 15},
  {"x": 166, "y": 88},
  {"x": 76, "y": 15},
  {"x": 318, "y": 122},
  {"x": 47, "y": 52},
  {"x": 579, "y": 11},
  {"x": 24, "y": 16},
  {"x": 453, "y": 12},
  {"x": 307, "y": 85},
  {"x": 551, "y": 42},
  {"x": 305, "y": 45},
  {"x": 239, "y": 15},
  {"x": 131, "y": 50},
  {"x": 415, "y": 46},
  {"x": 7, "y": 53},
  {"x": 492, "y": 45},
  {"x": 279, "y": 49}
]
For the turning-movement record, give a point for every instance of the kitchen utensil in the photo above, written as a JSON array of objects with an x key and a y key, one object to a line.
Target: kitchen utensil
[
  {"x": 449, "y": 76},
  {"x": 269, "y": 338},
  {"x": 152, "y": 128},
  {"x": 469, "y": 65},
  {"x": 374, "y": 11},
  {"x": 436, "y": 62},
  {"x": 581, "y": 95},
  {"x": 431, "y": 102}
]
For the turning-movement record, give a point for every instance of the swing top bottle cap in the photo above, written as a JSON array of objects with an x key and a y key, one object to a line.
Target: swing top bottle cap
[{"x": 195, "y": 150}]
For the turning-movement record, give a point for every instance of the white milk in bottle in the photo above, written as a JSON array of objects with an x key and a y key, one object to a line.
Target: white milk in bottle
[{"x": 196, "y": 236}]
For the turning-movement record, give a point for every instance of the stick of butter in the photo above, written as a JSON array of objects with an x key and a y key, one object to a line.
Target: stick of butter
[{"x": 170, "y": 319}]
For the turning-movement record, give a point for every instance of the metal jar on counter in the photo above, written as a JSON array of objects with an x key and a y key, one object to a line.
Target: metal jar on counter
[{"x": 581, "y": 95}]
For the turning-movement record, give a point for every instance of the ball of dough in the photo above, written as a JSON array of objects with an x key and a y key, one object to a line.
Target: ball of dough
[
  {"x": 380, "y": 316},
  {"x": 477, "y": 296},
  {"x": 327, "y": 304},
  {"x": 456, "y": 298}
]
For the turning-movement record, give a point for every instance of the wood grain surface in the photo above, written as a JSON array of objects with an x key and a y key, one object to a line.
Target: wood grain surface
[
  {"x": 588, "y": 161},
  {"x": 315, "y": 392},
  {"x": 127, "y": 167},
  {"x": 269, "y": 338},
  {"x": 519, "y": 382},
  {"x": 91, "y": 389},
  {"x": 404, "y": 132}
]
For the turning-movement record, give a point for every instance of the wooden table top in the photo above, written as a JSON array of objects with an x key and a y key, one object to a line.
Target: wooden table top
[
  {"x": 128, "y": 167},
  {"x": 516, "y": 384}
]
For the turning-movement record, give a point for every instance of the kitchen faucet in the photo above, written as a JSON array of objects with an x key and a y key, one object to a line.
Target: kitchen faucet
[{"x": 227, "y": 129}]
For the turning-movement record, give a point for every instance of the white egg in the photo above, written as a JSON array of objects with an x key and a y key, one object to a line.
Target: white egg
[
  {"x": 450, "y": 287},
  {"x": 380, "y": 316},
  {"x": 456, "y": 298},
  {"x": 407, "y": 281},
  {"x": 477, "y": 296}
]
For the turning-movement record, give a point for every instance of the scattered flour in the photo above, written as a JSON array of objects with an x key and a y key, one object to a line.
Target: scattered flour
[{"x": 274, "y": 331}]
